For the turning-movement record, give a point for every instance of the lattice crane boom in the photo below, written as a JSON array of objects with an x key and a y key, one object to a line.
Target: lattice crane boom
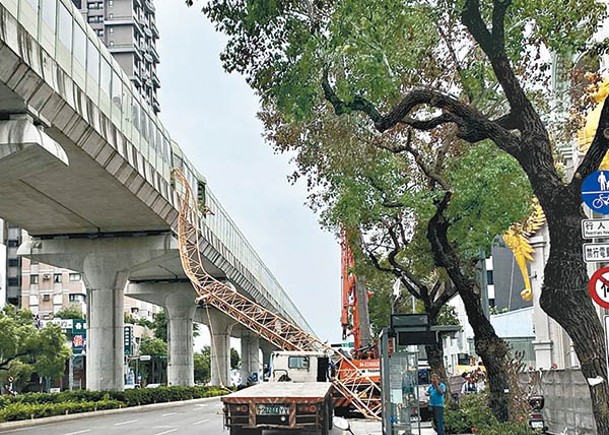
[{"x": 354, "y": 384}]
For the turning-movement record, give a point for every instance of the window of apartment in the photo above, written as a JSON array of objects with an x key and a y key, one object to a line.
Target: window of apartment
[
  {"x": 14, "y": 262},
  {"x": 111, "y": 30},
  {"x": 74, "y": 277},
  {"x": 489, "y": 277},
  {"x": 33, "y": 279},
  {"x": 57, "y": 278},
  {"x": 111, "y": 43},
  {"x": 110, "y": 15},
  {"x": 100, "y": 33},
  {"x": 46, "y": 297},
  {"x": 76, "y": 297},
  {"x": 13, "y": 243},
  {"x": 14, "y": 281}
]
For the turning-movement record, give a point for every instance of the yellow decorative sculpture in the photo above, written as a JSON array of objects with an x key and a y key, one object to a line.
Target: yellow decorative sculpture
[
  {"x": 598, "y": 93},
  {"x": 516, "y": 238}
]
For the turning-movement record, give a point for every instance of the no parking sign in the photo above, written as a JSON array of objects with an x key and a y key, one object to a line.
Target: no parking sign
[{"x": 598, "y": 287}]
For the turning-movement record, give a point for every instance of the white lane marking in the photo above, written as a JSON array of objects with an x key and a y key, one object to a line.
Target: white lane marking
[
  {"x": 125, "y": 422},
  {"x": 167, "y": 431},
  {"x": 202, "y": 421},
  {"x": 169, "y": 413},
  {"x": 80, "y": 431},
  {"x": 201, "y": 405},
  {"x": 15, "y": 430}
]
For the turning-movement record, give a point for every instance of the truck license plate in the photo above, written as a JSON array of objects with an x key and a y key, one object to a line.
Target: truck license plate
[{"x": 272, "y": 409}]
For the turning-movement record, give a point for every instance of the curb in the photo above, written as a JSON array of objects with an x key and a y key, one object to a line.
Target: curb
[{"x": 47, "y": 420}]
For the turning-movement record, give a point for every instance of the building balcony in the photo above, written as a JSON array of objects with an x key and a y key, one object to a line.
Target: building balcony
[
  {"x": 154, "y": 28},
  {"x": 147, "y": 31},
  {"x": 136, "y": 80},
  {"x": 155, "y": 105},
  {"x": 155, "y": 80},
  {"x": 154, "y": 53},
  {"x": 118, "y": 20},
  {"x": 149, "y": 6},
  {"x": 126, "y": 48}
]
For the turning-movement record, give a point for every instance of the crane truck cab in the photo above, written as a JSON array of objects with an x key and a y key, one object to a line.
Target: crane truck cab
[{"x": 298, "y": 396}]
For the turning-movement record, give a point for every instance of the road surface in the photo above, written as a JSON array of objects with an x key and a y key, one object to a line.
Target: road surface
[{"x": 180, "y": 419}]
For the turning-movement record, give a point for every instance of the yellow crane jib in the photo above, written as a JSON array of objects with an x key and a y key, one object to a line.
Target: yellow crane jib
[{"x": 358, "y": 386}]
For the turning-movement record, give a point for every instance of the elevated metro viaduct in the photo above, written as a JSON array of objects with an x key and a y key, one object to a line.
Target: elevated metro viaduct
[{"x": 85, "y": 169}]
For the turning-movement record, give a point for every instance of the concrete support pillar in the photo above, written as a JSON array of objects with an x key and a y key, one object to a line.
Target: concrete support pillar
[
  {"x": 105, "y": 263},
  {"x": 250, "y": 355},
  {"x": 266, "y": 348},
  {"x": 220, "y": 326},
  {"x": 178, "y": 299}
]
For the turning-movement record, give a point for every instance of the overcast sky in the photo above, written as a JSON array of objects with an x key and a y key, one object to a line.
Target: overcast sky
[{"x": 212, "y": 115}]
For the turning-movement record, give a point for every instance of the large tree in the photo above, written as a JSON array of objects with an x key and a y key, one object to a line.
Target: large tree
[
  {"x": 479, "y": 68},
  {"x": 406, "y": 221},
  {"x": 25, "y": 348}
]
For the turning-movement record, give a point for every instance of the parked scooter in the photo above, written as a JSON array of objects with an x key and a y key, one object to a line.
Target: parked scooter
[{"x": 535, "y": 417}]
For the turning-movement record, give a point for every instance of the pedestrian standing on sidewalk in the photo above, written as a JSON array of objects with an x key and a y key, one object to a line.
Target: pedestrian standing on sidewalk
[{"x": 436, "y": 392}]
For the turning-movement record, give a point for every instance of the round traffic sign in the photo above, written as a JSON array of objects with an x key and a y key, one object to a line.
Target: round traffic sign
[
  {"x": 595, "y": 191},
  {"x": 598, "y": 287}
]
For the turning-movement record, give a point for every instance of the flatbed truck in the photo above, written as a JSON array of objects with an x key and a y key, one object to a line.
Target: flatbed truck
[{"x": 298, "y": 396}]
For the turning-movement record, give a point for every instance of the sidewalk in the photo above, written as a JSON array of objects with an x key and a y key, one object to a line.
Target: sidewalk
[{"x": 369, "y": 427}]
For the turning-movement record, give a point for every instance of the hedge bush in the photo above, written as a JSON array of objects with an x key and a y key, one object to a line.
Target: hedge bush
[
  {"x": 24, "y": 411},
  {"x": 36, "y": 405},
  {"x": 475, "y": 416}
]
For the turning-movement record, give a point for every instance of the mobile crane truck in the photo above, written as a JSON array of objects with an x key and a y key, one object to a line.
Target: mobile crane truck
[{"x": 297, "y": 396}]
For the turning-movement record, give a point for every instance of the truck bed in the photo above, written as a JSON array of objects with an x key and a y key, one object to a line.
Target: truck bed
[{"x": 270, "y": 392}]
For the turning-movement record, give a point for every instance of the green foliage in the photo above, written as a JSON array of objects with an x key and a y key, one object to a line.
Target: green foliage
[
  {"x": 36, "y": 405},
  {"x": 25, "y": 349},
  {"x": 159, "y": 325},
  {"x": 490, "y": 193},
  {"x": 202, "y": 365},
  {"x": 24, "y": 411},
  {"x": 70, "y": 312},
  {"x": 153, "y": 346},
  {"x": 474, "y": 415},
  {"x": 377, "y": 48},
  {"x": 235, "y": 359}
]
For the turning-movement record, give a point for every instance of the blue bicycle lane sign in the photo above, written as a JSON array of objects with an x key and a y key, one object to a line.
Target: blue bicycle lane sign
[{"x": 595, "y": 191}]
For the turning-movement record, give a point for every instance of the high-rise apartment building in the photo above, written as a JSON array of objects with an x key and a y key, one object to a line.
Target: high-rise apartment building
[
  {"x": 13, "y": 272},
  {"x": 2, "y": 263},
  {"x": 128, "y": 29}
]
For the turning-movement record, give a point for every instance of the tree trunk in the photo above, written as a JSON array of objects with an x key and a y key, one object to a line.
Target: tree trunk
[
  {"x": 435, "y": 359},
  {"x": 564, "y": 297},
  {"x": 491, "y": 349}
]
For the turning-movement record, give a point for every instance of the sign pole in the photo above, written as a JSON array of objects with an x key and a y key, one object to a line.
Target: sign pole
[
  {"x": 71, "y": 373},
  {"x": 607, "y": 341}
]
